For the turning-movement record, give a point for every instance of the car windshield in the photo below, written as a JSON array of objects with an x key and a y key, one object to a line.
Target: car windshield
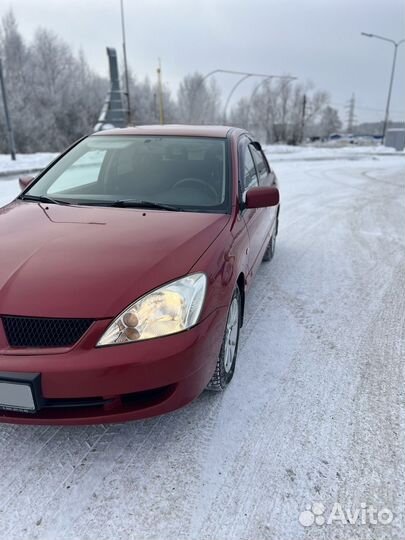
[{"x": 172, "y": 173}]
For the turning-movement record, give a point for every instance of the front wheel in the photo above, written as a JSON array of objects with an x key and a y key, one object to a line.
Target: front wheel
[{"x": 225, "y": 367}]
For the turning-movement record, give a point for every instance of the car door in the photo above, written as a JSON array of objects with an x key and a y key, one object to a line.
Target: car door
[{"x": 255, "y": 218}]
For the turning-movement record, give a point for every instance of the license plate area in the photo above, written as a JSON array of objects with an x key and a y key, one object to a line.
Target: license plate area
[{"x": 20, "y": 392}]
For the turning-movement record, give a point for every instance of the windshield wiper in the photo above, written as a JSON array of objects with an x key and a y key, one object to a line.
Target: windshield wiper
[
  {"x": 133, "y": 203},
  {"x": 43, "y": 198}
]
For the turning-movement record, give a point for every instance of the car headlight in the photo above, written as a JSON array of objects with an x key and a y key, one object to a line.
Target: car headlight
[{"x": 164, "y": 311}]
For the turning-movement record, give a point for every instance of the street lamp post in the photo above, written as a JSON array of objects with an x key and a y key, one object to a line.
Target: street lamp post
[
  {"x": 203, "y": 79},
  {"x": 396, "y": 45},
  {"x": 253, "y": 95},
  {"x": 245, "y": 75},
  {"x": 234, "y": 87}
]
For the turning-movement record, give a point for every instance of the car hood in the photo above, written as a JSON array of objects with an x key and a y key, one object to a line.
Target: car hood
[{"x": 72, "y": 261}]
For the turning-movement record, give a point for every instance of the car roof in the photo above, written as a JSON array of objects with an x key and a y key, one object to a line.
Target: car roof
[{"x": 172, "y": 130}]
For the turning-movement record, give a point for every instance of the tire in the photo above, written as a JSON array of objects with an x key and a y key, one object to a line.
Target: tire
[{"x": 225, "y": 367}]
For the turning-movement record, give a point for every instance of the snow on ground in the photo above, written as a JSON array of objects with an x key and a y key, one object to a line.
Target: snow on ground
[
  {"x": 9, "y": 189},
  {"x": 25, "y": 162},
  {"x": 315, "y": 413},
  {"x": 331, "y": 150}
]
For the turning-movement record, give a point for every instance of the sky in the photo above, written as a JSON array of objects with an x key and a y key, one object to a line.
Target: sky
[{"x": 314, "y": 40}]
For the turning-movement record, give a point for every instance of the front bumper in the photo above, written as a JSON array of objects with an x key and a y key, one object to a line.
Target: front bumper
[{"x": 86, "y": 385}]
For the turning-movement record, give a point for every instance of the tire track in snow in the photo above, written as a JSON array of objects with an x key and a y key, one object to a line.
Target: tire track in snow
[
  {"x": 260, "y": 449},
  {"x": 232, "y": 512},
  {"x": 379, "y": 418},
  {"x": 171, "y": 459},
  {"x": 257, "y": 474},
  {"x": 32, "y": 482}
]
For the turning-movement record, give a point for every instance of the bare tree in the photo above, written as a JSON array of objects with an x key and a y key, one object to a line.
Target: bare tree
[
  {"x": 55, "y": 96},
  {"x": 198, "y": 102},
  {"x": 240, "y": 114},
  {"x": 329, "y": 122},
  {"x": 16, "y": 58},
  {"x": 144, "y": 101},
  {"x": 281, "y": 110}
]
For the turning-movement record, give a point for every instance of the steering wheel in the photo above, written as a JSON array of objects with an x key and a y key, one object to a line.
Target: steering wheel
[{"x": 198, "y": 181}]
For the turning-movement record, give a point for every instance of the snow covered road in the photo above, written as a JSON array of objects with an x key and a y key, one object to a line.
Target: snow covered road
[{"x": 315, "y": 413}]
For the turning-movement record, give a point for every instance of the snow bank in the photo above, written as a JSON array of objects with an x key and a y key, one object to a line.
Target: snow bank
[
  {"x": 8, "y": 191},
  {"x": 25, "y": 162}
]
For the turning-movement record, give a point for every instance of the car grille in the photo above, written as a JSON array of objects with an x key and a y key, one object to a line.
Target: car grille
[{"x": 41, "y": 332}]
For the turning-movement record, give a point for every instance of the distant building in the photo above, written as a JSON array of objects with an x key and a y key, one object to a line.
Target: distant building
[{"x": 395, "y": 138}]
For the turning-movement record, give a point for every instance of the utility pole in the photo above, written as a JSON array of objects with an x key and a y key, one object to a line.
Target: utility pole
[
  {"x": 124, "y": 49},
  {"x": 160, "y": 91},
  {"x": 350, "y": 114},
  {"x": 304, "y": 107},
  {"x": 10, "y": 134},
  {"x": 387, "y": 108}
]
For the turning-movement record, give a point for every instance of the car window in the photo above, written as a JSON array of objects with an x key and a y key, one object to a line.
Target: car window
[
  {"x": 189, "y": 173},
  {"x": 260, "y": 162},
  {"x": 124, "y": 162},
  {"x": 178, "y": 170},
  {"x": 249, "y": 171},
  {"x": 85, "y": 170}
]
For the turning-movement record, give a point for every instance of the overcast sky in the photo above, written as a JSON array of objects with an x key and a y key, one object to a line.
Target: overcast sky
[{"x": 317, "y": 40}]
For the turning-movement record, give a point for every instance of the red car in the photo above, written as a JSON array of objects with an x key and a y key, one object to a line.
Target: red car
[{"x": 124, "y": 269}]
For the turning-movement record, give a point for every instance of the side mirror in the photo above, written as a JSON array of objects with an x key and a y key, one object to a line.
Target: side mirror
[
  {"x": 25, "y": 181},
  {"x": 260, "y": 197}
]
